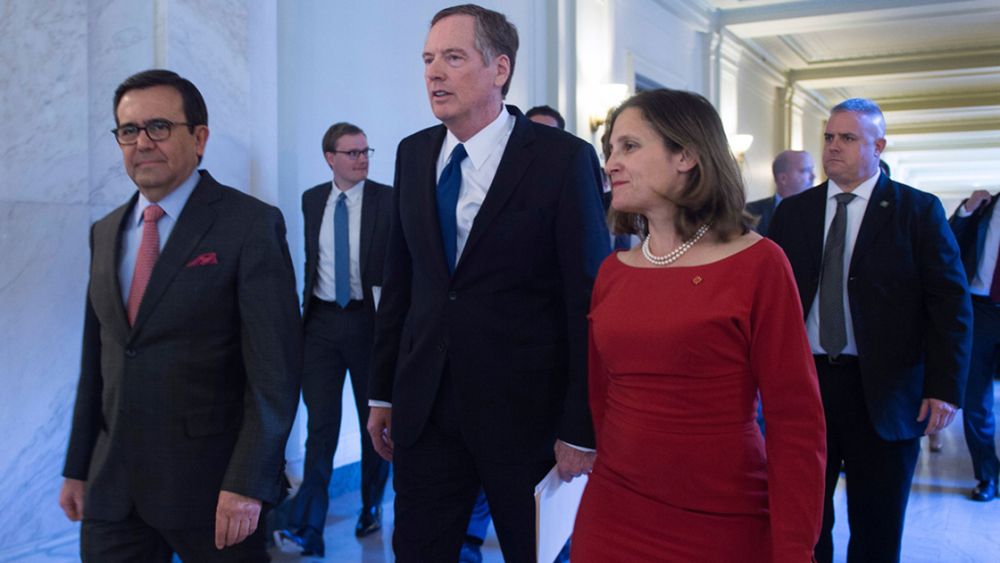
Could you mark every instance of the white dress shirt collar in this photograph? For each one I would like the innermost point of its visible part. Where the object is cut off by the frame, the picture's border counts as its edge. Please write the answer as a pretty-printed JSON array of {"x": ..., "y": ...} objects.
[
  {"x": 480, "y": 145},
  {"x": 172, "y": 204},
  {"x": 863, "y": 191},
  {"x": 352, "y": 194}
]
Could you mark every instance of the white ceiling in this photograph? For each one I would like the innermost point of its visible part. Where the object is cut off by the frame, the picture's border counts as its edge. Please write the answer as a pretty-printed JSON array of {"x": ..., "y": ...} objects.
[{"x": 932, "y": 65}]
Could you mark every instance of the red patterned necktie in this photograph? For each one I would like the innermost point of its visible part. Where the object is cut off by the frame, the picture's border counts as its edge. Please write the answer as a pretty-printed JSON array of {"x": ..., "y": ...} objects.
[{"x": 149, "y": 251}]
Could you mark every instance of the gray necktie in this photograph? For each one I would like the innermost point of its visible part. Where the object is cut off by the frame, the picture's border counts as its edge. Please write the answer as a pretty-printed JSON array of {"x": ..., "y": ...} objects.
[{"x": 832, "y": 324}]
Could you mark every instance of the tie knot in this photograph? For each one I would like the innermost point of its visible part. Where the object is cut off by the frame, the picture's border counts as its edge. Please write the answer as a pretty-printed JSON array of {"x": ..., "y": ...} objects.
[
  {"x": 152, "y": 214},
  {"x": 341, "y": 198},
  {"x": 844, "y": 199},
  {"x": 458, "y": 154}
]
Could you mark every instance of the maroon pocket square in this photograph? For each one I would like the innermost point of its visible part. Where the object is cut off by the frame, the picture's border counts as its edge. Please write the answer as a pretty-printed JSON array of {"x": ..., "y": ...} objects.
[{"x": 203, "y": 260}]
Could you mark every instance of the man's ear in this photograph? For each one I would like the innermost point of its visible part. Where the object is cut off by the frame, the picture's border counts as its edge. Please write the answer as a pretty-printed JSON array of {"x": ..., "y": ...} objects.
[
  {"x": 503, "y": 70},
  {"x": 879, "y": 147},
  {"x": 329, "y": 158}
]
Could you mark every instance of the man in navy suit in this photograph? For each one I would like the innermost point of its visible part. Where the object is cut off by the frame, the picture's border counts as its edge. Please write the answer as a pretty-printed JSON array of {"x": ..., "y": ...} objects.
[
  {"x": 346, "y": 230},
  {"x": 479, "y": 369},
  {"x": 793, "y": 174},
  {"x": 889, "y": 320},
  {"x": 976, "y": 224}
]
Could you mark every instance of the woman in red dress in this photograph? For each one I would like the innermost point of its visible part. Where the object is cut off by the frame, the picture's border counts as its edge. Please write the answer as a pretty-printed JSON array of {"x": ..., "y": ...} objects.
[{"x": 685, "y": 329}]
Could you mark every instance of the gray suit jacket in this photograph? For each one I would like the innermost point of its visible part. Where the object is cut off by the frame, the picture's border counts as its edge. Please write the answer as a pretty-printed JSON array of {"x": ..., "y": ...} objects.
[{"x": 199, "y": 395}]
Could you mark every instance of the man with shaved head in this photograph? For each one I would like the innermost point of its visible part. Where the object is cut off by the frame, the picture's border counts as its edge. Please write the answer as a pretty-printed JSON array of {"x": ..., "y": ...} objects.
[
  {"x": 889, "y": 319},
  {"x": 793, "y": 174}
]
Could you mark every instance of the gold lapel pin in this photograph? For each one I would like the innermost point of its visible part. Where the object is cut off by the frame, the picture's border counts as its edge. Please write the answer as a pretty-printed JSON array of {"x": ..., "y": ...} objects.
[{"x": 697, "y": 280}]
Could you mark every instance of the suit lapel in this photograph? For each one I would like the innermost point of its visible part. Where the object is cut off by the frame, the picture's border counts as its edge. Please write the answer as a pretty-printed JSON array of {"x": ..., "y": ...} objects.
[
  {"x": 880, "y": 208},
  {"x": 315, "y": 222},
  {"x": 517, "y": 156},
  {"x": 369, "y": 209},
  {"x": 107, "y": 271},
  {"x": 195, "y": 220},
  {"x": 427, "y": 199},
  {"x": 814, "y": 220}
]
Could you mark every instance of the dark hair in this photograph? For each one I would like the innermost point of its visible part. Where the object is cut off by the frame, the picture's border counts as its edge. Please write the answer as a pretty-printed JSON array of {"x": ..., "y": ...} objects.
[
  {"x": 335, "y": 132},
  {"x": 195, "y": 112},
  {"x": 714, "y": 192},
  {"x": 549, "y": 112},
  {"x": 494, "y": 35}
]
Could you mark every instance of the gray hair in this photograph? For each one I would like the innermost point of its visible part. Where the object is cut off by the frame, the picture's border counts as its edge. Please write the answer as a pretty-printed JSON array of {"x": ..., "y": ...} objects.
[
  {"x": 865, "y": 107},
  {"x": 494, "y": 35}
]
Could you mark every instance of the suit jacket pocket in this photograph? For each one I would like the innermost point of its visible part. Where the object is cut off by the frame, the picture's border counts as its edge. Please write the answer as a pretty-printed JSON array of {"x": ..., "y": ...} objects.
[
  {"x": 213, "y": 420},
  {"x": 540, "y": 358}
]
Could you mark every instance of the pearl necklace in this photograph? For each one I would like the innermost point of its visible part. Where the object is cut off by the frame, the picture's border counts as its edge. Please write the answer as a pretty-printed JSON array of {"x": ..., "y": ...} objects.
[{"x": 677, "y": 252}]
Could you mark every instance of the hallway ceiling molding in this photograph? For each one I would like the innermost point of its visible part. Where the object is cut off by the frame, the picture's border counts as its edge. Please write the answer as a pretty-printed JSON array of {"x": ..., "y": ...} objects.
[{"x": 933, "y": 66}]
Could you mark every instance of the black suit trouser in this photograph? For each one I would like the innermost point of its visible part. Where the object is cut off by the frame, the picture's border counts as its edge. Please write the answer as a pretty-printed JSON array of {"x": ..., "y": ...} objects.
[
  {"x": 878, "y": 472},
  {"x": 437, "y": 480},
  {"x": 977, "y": 416},
  {"x": 336, "y": 340},
  {"x": 134, "y": 541}
]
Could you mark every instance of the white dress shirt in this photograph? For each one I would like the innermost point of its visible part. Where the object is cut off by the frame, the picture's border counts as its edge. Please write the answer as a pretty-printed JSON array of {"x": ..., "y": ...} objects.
[
  {"x": 855, "y": 213},
  {"x": 980, "y": 285},
  {"x": 326, "y": 281},
  {"x": 172, "y": 205},
  {"x": 485, "y": 150}
]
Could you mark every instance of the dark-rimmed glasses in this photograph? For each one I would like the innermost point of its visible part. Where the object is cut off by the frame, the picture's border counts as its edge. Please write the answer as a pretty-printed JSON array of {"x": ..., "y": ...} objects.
[
  {"x": 353, "y": 155},
  {"x": 156, "y": 130}
]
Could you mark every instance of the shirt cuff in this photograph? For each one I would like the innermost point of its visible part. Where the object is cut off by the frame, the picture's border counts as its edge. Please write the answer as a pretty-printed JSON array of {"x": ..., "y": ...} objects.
[
  {"x": 383, "y": 404},
  {"x": 962, "y": 212},
  {"x": 580, "y": 448}
]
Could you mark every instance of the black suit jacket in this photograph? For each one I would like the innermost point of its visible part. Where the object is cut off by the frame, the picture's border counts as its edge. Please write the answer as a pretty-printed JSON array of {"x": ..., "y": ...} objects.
[
  {"x": 970, "y": 232},
  {"x": 375, "y": 210},
  {"x": 511, "y": 323},
  {"x": 200, "y": 394},
  {"x": 909, "y": 299},
  {"x": 765, "y": 209}
]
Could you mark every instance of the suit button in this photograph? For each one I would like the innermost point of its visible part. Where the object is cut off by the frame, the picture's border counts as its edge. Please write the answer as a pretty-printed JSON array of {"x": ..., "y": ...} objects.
[
  {"x": 130, "y": 352},
  {"x": 441, "y": 347},
  {"x": 452, "y": 296}
]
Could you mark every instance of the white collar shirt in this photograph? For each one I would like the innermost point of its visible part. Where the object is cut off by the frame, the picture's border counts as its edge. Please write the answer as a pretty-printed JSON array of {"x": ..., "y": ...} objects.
[
  {"x": 987, "y": 259},
  {"x": 485, "y": 150},
  {"x": 326, "y": 268},
  {"x": 855, "y": 214}
]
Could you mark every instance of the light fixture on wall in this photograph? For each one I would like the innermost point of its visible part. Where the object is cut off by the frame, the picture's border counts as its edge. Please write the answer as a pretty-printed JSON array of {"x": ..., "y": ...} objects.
[
  {"x": 740, "y": 145},
  {"x": 607, "y": 97}
]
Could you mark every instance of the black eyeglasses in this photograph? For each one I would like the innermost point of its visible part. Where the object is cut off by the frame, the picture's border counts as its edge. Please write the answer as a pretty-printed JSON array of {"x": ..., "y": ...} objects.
[
  {"x": 156, "y": 130},
  {"x": 353, "y": 155}
]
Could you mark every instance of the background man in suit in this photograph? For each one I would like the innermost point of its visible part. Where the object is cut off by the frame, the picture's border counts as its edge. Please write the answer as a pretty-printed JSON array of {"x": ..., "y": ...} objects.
[
  {"x": 793, "y": 174},
  {"x": 889, "y": 320},
  {"x": 976, "y": 224},
  {"x": 479, "y": 363},
  {"x": 191, "y": 351},
  {"x": 346, "y": 233},
  {"x": 546, "y": 116}
]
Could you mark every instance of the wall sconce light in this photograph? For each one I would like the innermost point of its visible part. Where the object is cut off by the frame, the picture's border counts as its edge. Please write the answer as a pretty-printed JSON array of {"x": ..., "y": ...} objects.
[
  {"x": 608, "y": 96},
  {"x": 740, "y": 145}
]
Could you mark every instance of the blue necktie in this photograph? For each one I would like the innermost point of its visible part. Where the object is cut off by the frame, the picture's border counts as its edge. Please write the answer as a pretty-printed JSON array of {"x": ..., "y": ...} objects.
[
  {"x": 341, "y": 251},
  {"x": 447, "y": 200}
]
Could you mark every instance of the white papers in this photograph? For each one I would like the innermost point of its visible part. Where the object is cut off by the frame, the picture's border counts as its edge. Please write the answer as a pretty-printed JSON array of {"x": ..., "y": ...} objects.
[
  {"x": 376, "y": 293},
  {"x": 556, "y": 503}
]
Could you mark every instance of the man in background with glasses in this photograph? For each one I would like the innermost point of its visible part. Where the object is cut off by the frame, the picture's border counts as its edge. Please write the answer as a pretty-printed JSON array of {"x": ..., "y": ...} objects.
[
  {"x": 191, "y": 351},
  {"x": 346, "y": 229}
]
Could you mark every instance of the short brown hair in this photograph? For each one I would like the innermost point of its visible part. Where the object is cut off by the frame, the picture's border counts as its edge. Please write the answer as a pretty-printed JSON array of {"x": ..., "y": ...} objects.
[
  {"x": 494, "y": 35},
  {"x": 335, "y": 132},
  {"x": 714, "y": 192}
]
